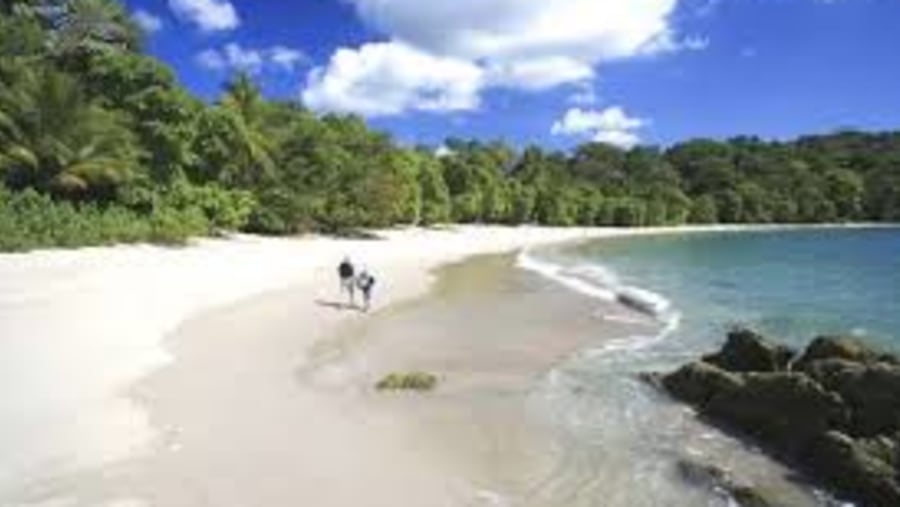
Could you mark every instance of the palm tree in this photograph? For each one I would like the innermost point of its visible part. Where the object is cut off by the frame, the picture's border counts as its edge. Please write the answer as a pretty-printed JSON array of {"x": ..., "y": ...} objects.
[
  {"x": 244, "y": 103},
  {"x": 95, "y": 25},
  {"x": 53, "y": 139},
  {"x": 79, "y": 27},
  {"x": 243, "y": 96}
]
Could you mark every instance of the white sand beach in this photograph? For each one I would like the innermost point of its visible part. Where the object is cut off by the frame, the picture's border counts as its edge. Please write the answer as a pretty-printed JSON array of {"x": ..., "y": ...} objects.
[{"x": 79, "y": 330}]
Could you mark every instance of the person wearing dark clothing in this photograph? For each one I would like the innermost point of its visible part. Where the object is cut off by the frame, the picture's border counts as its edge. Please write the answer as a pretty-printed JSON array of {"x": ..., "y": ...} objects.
[{"x": 346, "y": 274}]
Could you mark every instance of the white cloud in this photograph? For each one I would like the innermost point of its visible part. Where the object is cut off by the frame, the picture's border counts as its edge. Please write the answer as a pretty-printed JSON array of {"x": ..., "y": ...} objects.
[
  {"x": 666, "y": 42},
  {"x": 286, "y": 58},
  {"x": 621, "y": 138},
  {"x": 207, "y": 15},
  {"x": 442, "y": 151},
  {"x": 149, "y": 22},
  {"x": 530, "y": 45},
  {"x": 538, "y": 73},
  {"x": 386, "y": 78},
  {"x": 611, "y": 125},
  {"x": 589, "y": 30},
  {"x": 233, "y": 56}
]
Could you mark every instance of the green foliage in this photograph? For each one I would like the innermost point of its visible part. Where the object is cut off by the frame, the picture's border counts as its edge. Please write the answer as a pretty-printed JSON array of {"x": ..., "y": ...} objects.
[
  {"x": 54, "y": 139},
  {"x": 99, "y": 143},
  {"x": 413, "y": 381},
  {"x": 30, "y": 220},
  {"x": 704, "y": 210},
  {"x": 434, "y": 194}
]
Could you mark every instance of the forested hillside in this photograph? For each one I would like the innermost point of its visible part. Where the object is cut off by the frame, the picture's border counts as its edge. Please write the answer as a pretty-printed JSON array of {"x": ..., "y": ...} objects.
[{"x": 99, "y": 143}]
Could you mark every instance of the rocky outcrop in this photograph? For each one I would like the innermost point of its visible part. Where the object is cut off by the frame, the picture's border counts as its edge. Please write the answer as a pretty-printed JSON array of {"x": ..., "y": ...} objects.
[
  {"x": 746, "y": 350},
  {"x": 835, "y": 411},
  {"x": 870, "y": 390},
  {"x": 850, "y": 467},
  {"x": 786, "y": 409},
  {"x": 840, "y": 347}
]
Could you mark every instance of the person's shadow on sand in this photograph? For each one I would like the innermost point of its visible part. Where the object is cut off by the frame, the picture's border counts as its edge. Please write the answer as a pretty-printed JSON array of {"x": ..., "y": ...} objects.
[{"x": 337, "y": 305}]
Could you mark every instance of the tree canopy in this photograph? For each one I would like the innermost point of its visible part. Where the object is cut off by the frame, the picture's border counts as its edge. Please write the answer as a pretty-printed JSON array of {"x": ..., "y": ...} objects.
[{"x": 100, "y": 143}]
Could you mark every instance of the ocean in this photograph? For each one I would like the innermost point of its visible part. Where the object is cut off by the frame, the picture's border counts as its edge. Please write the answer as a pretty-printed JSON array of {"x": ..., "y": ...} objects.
[{"x": 623, "y": 439}]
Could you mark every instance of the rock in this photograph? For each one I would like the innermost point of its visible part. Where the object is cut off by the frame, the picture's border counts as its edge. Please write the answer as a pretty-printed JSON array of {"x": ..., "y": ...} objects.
[
  {"x": 835, "y": 412},
  {"x": 746, "y": 496},
  {"x": 839, "y": 347},
  {"x": 653, "y": 379},
  {"x": 873, "y": 395},
  {"x": 852, "y": 470},
  {"x": 701, "y": 474},
  {"x": 747, "y": 351},
  {"x": 828, "y": 372},
  {"x": 870, "y": 390},
  {"x": 885, "y": 448},
  {"x": 697, "y": 382},
  {"x": 716, "y": 478},
  {"x": 784, "y": 409},
  {"x": 409, "y": 381}
]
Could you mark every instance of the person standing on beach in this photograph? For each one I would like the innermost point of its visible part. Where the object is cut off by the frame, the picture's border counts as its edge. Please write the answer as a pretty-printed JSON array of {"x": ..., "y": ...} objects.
[
  {"x": 366, "y": 282},
  {"x": 346, "y": 275}
]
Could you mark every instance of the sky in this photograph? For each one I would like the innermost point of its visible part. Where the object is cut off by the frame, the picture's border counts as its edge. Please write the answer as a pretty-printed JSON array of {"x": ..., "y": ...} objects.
[{"x": 550, "y": 72}]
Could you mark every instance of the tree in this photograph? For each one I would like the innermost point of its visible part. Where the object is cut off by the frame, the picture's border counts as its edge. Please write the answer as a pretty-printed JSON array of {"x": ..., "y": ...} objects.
[
  {"x": 54, "y": 139},
  {"x": 84, "y": 27},
  {"x": 846, "y": 190},
  {"x": 433, "y": 190},
  {"x": 230, "y": 144},
  {"x": 162, "y": 115},
  {"x": 703, "y": 210}
]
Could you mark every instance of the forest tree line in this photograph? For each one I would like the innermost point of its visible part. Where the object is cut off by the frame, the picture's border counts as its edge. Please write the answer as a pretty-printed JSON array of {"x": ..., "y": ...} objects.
[{"x": 99, "y": 143}]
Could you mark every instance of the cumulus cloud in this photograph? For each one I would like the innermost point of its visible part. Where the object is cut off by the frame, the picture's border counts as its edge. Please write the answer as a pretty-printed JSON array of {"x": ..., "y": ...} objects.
[
  {"x": 611, "y": 125},
  {"x": 149, "y": 22},
  {"x": 233, "y": 56},
  {"x": 286, "y": 58},
  {"x": 207, "y": 15},
  {"x": 668, "y": 43},
  {"x": 386, "y": 78},
  {"x": 513, "y": 29},
  {"x": 530, "y": 45}
]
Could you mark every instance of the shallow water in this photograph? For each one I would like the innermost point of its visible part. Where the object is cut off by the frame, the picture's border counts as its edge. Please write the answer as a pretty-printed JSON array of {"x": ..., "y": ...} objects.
[
  {"x": 538, "y": 404},
  {"x": 793, "y": 285}
]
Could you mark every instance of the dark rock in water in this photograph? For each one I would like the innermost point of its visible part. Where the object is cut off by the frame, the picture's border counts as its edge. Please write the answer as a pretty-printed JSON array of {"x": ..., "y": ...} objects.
[
  {"x": 871, "y": 391},
  {"x": 652, "y": 378},
  {"x": 850, "y": 466},
  {"x": 835, "y": 412},
  {"x": 750, "y": 497},
  {"x": 839, "y": 347},
  {"x": 747, "y": 351},
  {"x": 828, "y": 371},
  {"x": 701, "y": 474},
  {"x": 885, "y": 448},
  {"x": 873, "y": 394},
  {"x": 787, "y": 409},
  {"x": 716, "y": 478},
  {"x": 696, "y": 383}
]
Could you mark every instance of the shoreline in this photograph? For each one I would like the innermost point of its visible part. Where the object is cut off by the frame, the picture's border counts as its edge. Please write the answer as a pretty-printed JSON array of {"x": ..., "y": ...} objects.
[{"x": 99, "y": 278}]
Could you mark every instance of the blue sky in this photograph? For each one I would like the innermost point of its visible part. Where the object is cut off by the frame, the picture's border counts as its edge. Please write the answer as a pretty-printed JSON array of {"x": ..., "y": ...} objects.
[{"x": 554, "y": 72}]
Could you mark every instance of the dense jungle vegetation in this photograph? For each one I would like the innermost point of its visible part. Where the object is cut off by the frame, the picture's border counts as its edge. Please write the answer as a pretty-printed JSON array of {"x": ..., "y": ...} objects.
[{"x": 99, "y": 143}]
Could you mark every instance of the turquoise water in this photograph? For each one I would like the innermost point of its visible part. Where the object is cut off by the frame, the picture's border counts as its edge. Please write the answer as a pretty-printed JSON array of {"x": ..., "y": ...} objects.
[
  {"x": 623, "y": 438},
  {"x": 790, "y": 284}
]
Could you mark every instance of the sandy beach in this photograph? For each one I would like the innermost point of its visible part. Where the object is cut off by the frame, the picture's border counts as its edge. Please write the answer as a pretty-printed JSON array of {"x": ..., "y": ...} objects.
[{"x": 200, "y": 376}]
